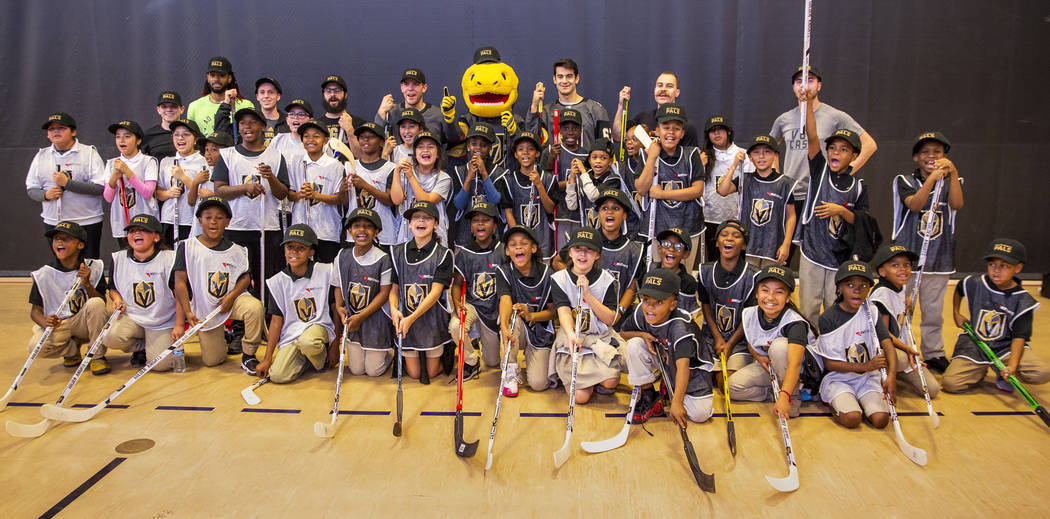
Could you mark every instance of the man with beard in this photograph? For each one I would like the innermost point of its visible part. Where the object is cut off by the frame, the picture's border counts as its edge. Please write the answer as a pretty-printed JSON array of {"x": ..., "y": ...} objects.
[
  {"x": 157, "y": 140},
  {"x": 220, "y": 88},
  {"x": 664, "y": 91},
  {"x": 339, "y": 123},
  {"x": 413, "y": 86},
  {"x": 268, "y": 93}
]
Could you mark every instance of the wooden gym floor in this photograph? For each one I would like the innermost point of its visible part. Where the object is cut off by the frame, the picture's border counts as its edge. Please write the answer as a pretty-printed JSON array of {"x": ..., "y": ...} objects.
[{"x": 216, "y": 457}]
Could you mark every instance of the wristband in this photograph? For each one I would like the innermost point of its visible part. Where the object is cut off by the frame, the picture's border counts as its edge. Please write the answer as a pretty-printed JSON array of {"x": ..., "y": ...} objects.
[
  {"x": 621, "y": 310},
  {"x": 788, "y": 395}
]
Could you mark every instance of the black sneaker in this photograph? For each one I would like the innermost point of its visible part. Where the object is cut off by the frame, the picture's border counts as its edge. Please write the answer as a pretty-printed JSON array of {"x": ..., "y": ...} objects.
[
  {"x": 236, "y": 334},
  {"x": 138, "y": 359},
  {"x": 937, "y": 364},
  {"x": 249, "y": 363},
  {"x": 469, "y": 373},
  {"x": 649, "y": 405},
  {"x": 234, "y": 348}
]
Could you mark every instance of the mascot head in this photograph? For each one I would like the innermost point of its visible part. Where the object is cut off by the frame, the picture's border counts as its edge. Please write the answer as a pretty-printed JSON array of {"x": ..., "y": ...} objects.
[{"x": 489, "y": 85}]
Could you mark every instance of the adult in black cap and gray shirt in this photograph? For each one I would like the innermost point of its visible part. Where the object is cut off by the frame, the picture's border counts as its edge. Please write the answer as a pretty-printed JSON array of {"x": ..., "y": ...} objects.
[
  {"x": 664, "y": 91},
  {"x": 566, "y": 77},
  {"x": 156, "y": 141},
  {"x": 67, "y": 179},
  {"x": 268, "y": 93},
  {"x": 220, "y": 87},
  {"x": 413, "y": 86},
  {"x": 336, "y": 119}
]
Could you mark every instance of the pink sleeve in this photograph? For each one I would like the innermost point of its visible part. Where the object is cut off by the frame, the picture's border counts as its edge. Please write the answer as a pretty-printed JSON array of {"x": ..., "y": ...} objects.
[
  {"x": 144, "y": 188},
  {"x": 108, "y": 193}
]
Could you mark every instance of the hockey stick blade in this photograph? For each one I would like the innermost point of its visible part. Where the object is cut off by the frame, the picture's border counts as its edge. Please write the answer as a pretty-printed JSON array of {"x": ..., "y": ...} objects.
[
  {"x": 705, "y": 480},
  {"x": 248, "y": 393},
  {"x": 1043, "y": 414},
  {"x": 397, "y": 428},
  {"x": 731, "y": 432},
  {"x": 324, "y": 430},
  {"x": 19, "y": 430},
  {"x": 400, "y": 406},
  {"x": 788, "y": 483},
  {"x": 463, "y": 449},
  {"x": 562, "y": 455},
  {"x": 65, "y": 414},
  {"x": 621, "y": 438},
  {"x": 915, "y": 454}
]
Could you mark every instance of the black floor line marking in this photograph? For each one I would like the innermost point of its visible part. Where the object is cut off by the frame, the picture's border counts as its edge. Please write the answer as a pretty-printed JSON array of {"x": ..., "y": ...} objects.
[
  {"x": 448, "y": 413},
  {"x": 1001, "y": 413},
  {"x": 54, "y": 510},
  {"x": 25, "y": 404},
  {"x": 543, "y": 415},
  {"x": 183, "y": 408},
  {"x": 737, "y": 415},
  {"x": 814, "y": 414},
  {"x": 110, "y": 406},
  {"x": 917, "y": 413},
  {"x": 365, "y": 413},
  {"x": 265, "y": 410}
]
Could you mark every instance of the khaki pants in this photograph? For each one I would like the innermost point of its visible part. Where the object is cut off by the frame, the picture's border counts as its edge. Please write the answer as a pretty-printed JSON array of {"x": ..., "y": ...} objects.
[
  {"x": 65, "y": 339},
  {"x": 931, "y": 304},
  {"x": 911, "y": 378},
  {"x": 213, "y": 342},
  {"x": 816, "y": 285},
  {"x": 125, "y": 335},
  {"x": 872, "y": 403},
  {"x": 751, "y": 383},
  {"x": 490, "y": 344},
  {"x": 537, "y": 360},
  {"x": 643, "y": 368},
  {"x": 760, "y": 263},
  {"x": 291, "y": 360},
  {"x": 964, "y": 374},
  {"x": 367, "y": 362}
]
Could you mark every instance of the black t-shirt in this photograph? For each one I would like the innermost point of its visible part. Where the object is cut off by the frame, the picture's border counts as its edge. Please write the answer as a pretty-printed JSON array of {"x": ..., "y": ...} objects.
[
  {"x": 156, "y": 142},
  {"x": 221, "y": 172},
  {"x": 1022, "y": 326},
  {"x": 332, "y": 124},
  {"x": 414, "y": 254},
  {"x": 904, "y": 190},
  {"x": 796, "y": 332},
  {"x": 532, "y": 279},
  {"x": 835, "y": 317},
  {"x": 560, "y": 299}
]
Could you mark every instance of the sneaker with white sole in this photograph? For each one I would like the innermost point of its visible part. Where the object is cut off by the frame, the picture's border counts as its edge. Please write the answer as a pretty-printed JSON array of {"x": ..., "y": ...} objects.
[
  {"x": 249, "y": 363},
  {"x": 510, "y": 381}
]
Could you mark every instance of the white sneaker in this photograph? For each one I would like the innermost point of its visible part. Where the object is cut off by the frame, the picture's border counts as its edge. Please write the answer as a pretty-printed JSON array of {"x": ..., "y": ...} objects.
[{"x": 510, "y": 381}]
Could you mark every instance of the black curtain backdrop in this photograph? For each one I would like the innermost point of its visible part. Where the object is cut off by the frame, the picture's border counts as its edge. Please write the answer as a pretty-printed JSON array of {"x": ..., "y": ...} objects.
[{"x": 976, "y": 70}]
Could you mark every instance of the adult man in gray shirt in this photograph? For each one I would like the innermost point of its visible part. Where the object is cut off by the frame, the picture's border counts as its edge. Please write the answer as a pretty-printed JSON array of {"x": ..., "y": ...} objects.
[
  {"x": 413, "y": 86},
  {"x": 566, "y": 78}
]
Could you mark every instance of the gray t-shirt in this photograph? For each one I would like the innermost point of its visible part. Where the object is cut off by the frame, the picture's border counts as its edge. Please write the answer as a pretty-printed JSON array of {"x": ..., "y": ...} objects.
[
  {"x": 595, "y": 120},
  {"x": 795, "y": 161}
]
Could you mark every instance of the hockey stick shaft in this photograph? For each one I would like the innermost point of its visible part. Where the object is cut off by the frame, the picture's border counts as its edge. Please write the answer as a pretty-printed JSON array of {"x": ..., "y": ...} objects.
[
  {"x": 730, "y": 426},
  {"x": 1000, "y": 366},
  {"x": 562, "y": 454},
  {"x": 87, "y": 358},
  {"x": 807, "y": 26},
  {"x": 705, "y": 481},
  {"x": 124, "y": 201},
  {"x": 499, "y": 391}
]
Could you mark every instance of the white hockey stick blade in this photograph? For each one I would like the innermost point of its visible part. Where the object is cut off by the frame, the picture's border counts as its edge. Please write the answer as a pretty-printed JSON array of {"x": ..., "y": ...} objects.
[
  {"x": 607, "y": 445},
  {"x": 65, "y": 414},
  {"x": 248, "y": 393},
  {"x": 915, "y": 454},
  {"x": 488, "y": 460},
  {"x": 562, "y": 455},
  {"x": 643, "y": 137},
  {"x": 935, "y": 418},
  {"x": 324, "y": 430},
  {"x": 788, "y": 483},
  {"x": 21, "y": 430}
]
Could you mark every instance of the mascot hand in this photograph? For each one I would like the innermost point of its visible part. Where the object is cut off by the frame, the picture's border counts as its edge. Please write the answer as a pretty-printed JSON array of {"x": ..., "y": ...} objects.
[
  {"x": 506, "y": 119},
  {"x": 448, "y": 106}
]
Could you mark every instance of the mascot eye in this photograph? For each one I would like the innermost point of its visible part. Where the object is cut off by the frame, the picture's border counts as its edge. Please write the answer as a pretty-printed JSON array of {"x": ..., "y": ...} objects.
[
  {"x": 504, "y": 74},
  {"x": 472, "y": 76}
]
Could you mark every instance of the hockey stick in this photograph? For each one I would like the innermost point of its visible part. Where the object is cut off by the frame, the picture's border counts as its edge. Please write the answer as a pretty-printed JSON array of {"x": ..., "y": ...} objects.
[
  {"x": 621, "y": 438},
  {"x": 66, "y": 414},
  {"x": 178, "y": 201},
  {"x": 499, "y": 393},
  {"x": 562, "y": 455},
  {"x": 327, "y": 430},
  {"x": 704, "y": 480},
  {"x": 400, "y": 390},
  {"x": 730, "y": 426},
  {"x": 262, "y": 242},
  {"x": 39, "y": 345},
  {"x": 58, "y": 169},
  {"x": 639, "y": 133},
  {"x": 936, "y": 420},
  {"x": 463, "y": 448},
  {"x": 623, "y": 127},
  {"x": 790, "y": 482},
  {"x": 807, "y": 23},
  {"x": 915, "y": 454},
  {"x": 248, "y": 393},
  {"x": 124, "y": 201},
  {"x": 32, "y": 431},
  {"x": 1036, "y": 406},
  {"x": 308, "y": 200}
]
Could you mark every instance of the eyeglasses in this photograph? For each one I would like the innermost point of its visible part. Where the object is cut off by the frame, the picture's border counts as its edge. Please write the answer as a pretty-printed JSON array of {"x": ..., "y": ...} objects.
[
  {"x": 296, "y": 115},
  {"x": 181, "y": 135},
  {"x": 333, "y": 90},
  {"x": 675, "y": 246}
]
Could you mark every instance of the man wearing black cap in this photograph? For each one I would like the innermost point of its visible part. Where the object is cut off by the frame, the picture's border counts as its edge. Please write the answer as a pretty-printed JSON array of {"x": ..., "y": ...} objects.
[
  {"x": 339, "y": 122},
  {"x": 268, "y": 93},
  {"x": 566, "y": 78},
  {"x": 664, "y": 91},
  {"x": 413, "y": 86},
  {"x": 220, "y": 88},
  {"x": 67, "y": 179},
  {"x": 157, "y": 140}
]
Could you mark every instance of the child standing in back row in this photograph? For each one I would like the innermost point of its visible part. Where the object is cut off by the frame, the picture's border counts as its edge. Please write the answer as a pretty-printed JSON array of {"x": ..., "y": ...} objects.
[
  {"x": 178, "y": 176},
  {"x": 724, "y": 159},
  {"x": 132, "y": 179}
]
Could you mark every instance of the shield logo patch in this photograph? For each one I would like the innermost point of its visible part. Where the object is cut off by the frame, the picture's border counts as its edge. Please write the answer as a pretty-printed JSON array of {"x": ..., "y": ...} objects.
[
  {"x": 319, "y": 189},
  {"x": 585, "y": 321},
  {"x": 484, "y": 285},
  {"x": 592, "y": 217},
  {"x": 365, "y": 199},
  {"x": 305, "y": 309},
  {"x": 530, "y": 215},
  {"x": 991, "y": 325},
  {"x": 77, "y": 301},
  {"x": 129, "y": 198},
  {"x": 761, "y": 211},
  {"x": 672, "y": 184},
  {"x": 144, "y": 294},
  {"x": 218, "y": 284},
  {"x": 253, "y": 178},
  {"x": 415, "y": 293},
  {"x": 857, "y": 353},
  {"x": 358, "y": 296},
  {"x": 935, "y": 230},
  {"x": 835, "y": 226},
  {"x": 726, "y": 316}
]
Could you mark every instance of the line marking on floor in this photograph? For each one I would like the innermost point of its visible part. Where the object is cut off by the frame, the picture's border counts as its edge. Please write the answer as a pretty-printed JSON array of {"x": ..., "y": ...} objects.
[
  {"x": 448, "y": 413},
  {"x": 110, "y": 406},
  {"x": 543, "y": 415},
  {"x": 1002, "y": 413},
  {"x": 77, "y": 492},
  {"x": 270, "y": 410},
  {"x": 25, "y": 404},
  {"x": 183, "y": 408},
  {"x": 365, "y": 413}
]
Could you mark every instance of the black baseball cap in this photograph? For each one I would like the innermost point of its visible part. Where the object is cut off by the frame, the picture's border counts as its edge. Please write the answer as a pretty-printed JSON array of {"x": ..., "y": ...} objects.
[
  {"x": 778, "y": 272},
  {"x": 523, "y": 230},
  {"x": 486, "y": 55},
  {"x": 735, "y": 224},
  {"x": 570, "y": 115},
  {"x": 267, "y": 79},
  {"x": 854, "y": 268},
  {"x": 213, "y": 201},
  {"x": 482, "y": 130},
  {"x": 426, "y": 206},
  {"x": 414, "y": 73},
  {"x": 71, "y": 228},
  {"x": 889, "y": 251},
  {"x": 601, "y": 144},
  {"x": 130, "y": 126},
  {"x": 363, "y": 213},
  {"x": 671, "y": 112},
  {"x": 717, "y": 120},
  {"x": 169, "y": 96},
  {"x": 221, "y": 139},
  {"x": 61, "y": 118},
  {"x": 660, "y": 284},
  {"x": 485, "y": 208},
  {"x": 220, "y": 64},
  {"x": 812, "y": 70},
  {"x": 334, "y": 78},
  {"x": 300, "y": 233},
  {"x": 763, "y": 140},
  {"x": 425, "y": 134},
  {"x": 189, "y": 125},
  {"x": 677, "y": 232},
  {"x": 585, "y": 237},
  {"x": 1010, "y": 251},
  {"x": 368, "y": 126},
  {"x": 613, "y": 194},
  {"x": 301, "y": 103},
  {"x": 932, "y": 135},
  {"x": 526, "y": 135},
  {"x": 312, "y": 124},
  {"x": 249, "y": 111},
  {"x": 849, "y": 136},
  {"x": 145, "y": 221},
  {"x": 411, "y": 114}
]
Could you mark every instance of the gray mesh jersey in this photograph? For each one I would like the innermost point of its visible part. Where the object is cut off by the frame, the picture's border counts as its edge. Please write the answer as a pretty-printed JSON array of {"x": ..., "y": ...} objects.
[
  {"x": 624, "y": 263},
  {"x": 678, "y": 338},
  {"x": 528, "y": 211},
  {"x": 302, "y": 301},
  {"x": 478, "y": 270},
  {"x": 677, "y": 172},
  {"x": 53, "y": 284},
  {"x": 820, "y": 236},
  {"x": 595, "y": 120},
  {"x": 460, "y": 226},
  {"x": 143, "y": 285},
  {"x": 360, "y": 283},
  {"x": 727, "y": 302},
  {"x": 763, "y": 211},
  {"x": 430, "y": 331},
  {"x": 541, "y": 334},
  {"x": 909, "y": 228},
  {"x": 992, "y": 315}
]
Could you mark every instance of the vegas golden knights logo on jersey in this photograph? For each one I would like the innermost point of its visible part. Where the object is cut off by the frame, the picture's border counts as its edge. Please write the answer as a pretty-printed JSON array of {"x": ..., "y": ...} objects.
[
  {"x": 902, "y": 322},
  {"x": 585, "y": 320},
  {"x": 129, "y": 197},
  {"x": 358, "y": 296},
  {"x": 726, "y": 316},
  {"x": 991, "y": 325},
  {"x": 477, "y": 199},
  {"x": 415, "y": 293},
  {"x": 835, "y": 226},
  {"x": 365, "y": 199},
  {"x": 253, "y": 178},
  {"x": 935, "y": 230},
  {"x": 616, "y": 275},
  {"x": 592, "y": 217},
  {"x": 530, "y": 215},
  {"x": 857, "y": 353},
  {"x": 305, "y": 309},
  {"x": 319, "y": 189},
  {"x": 77, "y": 301},
  {"x": 218, "y": 284},
  {"x": 497, "y": 148},
  {"x": 761, "y": 211},
  {"x": 484, "y": 285},
  {"x": 174, "y": 181},
  {"x": 144, "y": 294},
  {"x": 671, "y": 185}
]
